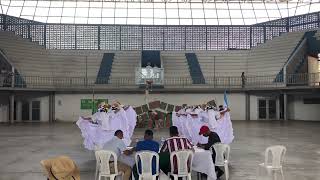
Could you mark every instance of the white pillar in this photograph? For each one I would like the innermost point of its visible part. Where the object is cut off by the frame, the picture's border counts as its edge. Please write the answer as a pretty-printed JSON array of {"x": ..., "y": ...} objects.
[
  {"x": 18, "y": 111},
  {"x": 285, "y": 106},
  {"x": 4, "y": 112},
  {"x": 12, "y": 108}
]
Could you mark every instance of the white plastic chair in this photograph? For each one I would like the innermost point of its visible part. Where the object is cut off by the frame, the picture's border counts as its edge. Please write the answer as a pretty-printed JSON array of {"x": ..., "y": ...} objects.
[
  {"x": 184, "y": 160},
  {"x": 274, "y": 157},
  {"x": 145, "y": 159},
  {"x": 97, "y": 147},
  {"x": 222, "y": 152},
  {"x": 103, "y": 166}
]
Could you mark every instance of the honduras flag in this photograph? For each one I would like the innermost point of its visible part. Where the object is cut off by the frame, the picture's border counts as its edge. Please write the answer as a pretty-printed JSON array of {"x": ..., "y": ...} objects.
[{"x": 225, "y": 98}]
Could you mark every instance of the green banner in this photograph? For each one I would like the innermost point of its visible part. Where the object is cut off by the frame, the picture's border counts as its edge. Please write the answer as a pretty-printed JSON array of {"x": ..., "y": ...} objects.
[{"x": 88, "y": 104}]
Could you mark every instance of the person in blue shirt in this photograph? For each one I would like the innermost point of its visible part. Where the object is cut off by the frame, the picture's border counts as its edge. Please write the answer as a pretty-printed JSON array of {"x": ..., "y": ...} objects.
[{"x": 147, "y": 144}]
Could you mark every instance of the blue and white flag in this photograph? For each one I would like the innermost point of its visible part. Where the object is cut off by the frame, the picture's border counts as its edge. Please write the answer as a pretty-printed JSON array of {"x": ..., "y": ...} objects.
[
  {"x": 225, "y": 98},
  {"x": 224, "y": 125}
]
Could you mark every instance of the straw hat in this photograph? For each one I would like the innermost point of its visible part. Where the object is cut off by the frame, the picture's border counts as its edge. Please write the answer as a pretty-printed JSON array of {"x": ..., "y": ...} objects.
[
  {"x": 102, "y": 103},
  {"x": 61, "y": 168}
]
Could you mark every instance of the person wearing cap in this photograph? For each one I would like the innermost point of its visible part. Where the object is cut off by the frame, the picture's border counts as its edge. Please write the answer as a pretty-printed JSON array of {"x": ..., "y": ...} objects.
[
  {"x": 213, "y": 138},
  {"x": 61, "y": 167}
]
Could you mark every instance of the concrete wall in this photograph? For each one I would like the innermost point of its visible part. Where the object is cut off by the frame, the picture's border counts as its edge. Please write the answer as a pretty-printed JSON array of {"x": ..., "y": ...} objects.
[
  {"x": 300, "y": 111},
  {"x": 67, "y": 106},
  {"x": 314, "y": 67},
  {"x": 253, "y": 107}
]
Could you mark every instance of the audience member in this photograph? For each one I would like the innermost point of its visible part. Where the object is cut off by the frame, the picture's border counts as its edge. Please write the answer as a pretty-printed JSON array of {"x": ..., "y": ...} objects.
[
  {"x": 213, "y": 138},
  {"x": 117, "y": 146},
  {"x": 147, "y": 144},
  {"x": 172, "y": 144}
]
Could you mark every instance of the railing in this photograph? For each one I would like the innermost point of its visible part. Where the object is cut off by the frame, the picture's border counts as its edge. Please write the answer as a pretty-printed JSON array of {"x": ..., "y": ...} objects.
[
  {"x": 38, "y": 82},
  {"x": 305, "y": 79}
]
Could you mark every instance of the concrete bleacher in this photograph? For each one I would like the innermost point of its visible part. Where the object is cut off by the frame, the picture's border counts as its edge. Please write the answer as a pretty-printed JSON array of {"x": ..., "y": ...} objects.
[
  {"x": 222, "y": 63},
  {"x": 124, "y": 66},
  {"x": 270, "y": 57},
  {"x": 176, "y": 70},
  {"x": 33, "y": 60},
  {"x": 76, "y": 63}
]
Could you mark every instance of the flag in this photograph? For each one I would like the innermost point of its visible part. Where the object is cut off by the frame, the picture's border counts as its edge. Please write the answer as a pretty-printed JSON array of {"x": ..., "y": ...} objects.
[{"x": 225, "y": 98}]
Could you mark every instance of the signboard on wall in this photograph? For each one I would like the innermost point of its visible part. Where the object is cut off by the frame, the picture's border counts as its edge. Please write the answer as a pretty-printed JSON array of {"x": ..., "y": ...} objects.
[
  {"x": 90, "y": 105},
  {"x": 86, "y": 104}
]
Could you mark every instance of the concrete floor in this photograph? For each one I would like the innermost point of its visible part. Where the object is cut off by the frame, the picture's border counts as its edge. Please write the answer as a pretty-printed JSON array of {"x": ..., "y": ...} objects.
[{"x": 22, "y": 146}]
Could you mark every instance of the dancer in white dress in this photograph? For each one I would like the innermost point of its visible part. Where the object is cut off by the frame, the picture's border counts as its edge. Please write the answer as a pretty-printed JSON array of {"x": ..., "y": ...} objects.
[
  {"x": 189, "y": 120},
  {"x": 100, "y": 128},
  {"x": 224, "y": 126},
  {"x": 132, "y": 118}
]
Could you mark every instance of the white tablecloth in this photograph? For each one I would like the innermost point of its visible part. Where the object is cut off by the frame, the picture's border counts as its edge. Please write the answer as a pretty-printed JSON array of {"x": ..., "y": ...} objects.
[{"x": 202, "y": 162}]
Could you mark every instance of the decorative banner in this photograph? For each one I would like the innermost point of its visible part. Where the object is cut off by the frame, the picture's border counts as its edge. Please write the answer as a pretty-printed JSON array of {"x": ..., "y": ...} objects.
[
  {"x": 163, "y": 106},
  {"x": 145, "y": 108},
  {"x": 138, "y": 110},
  {"x": 86, "y": 104},
  {"x": 170, "y": 108},
  {"x": 154, "y": 104},
  {"x": 164, "y": 110}
]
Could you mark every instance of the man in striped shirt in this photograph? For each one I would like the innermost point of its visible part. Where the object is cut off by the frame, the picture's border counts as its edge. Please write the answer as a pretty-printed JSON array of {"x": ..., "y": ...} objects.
[{"x": 174, "y": 143}]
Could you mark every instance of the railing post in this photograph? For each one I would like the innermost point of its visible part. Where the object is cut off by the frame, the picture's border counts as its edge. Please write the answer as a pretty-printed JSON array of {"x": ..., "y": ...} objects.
[
  {"x": 11, "y": 101},
  {"x": 284, "y": 76}
]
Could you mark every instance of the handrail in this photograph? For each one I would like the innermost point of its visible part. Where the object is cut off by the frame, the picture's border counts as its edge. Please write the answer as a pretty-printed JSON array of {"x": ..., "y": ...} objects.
[
  {"x": 293, "y": 54},
  {"x": 35, "y": 82},
  {"x": 6, "y": 57}
]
